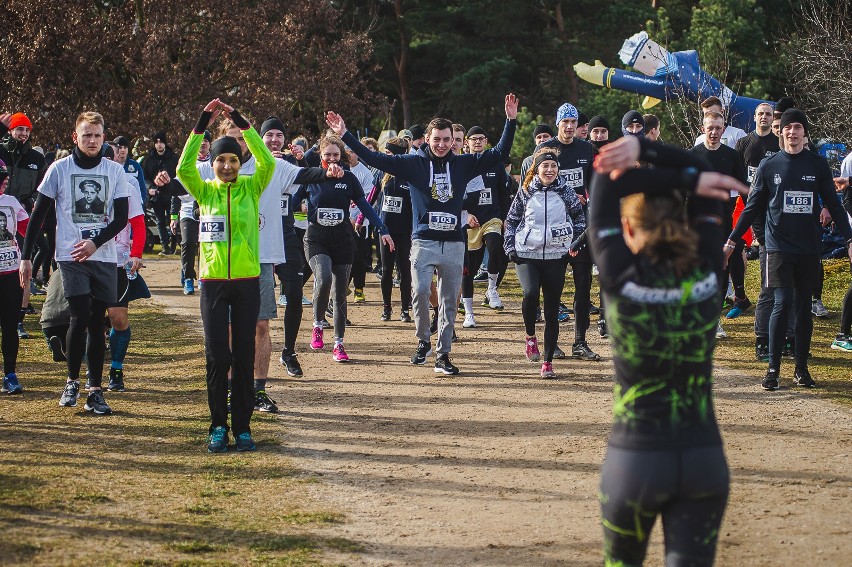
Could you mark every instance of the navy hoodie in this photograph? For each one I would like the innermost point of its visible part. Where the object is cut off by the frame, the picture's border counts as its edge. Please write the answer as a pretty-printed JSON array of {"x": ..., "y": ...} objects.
[{"x": 437, "y": 184}]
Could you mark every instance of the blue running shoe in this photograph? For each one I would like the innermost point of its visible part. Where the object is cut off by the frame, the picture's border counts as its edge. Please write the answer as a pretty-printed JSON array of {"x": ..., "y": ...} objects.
[
  {"x": 218, "y": 442},
  {"x": 11, "y": 384},
  {"x": 734, "y": 313},
  {"x": 244, "y": 442},
  {"x": 188, "y": 287},
  {"x": 306, "y": 301}
]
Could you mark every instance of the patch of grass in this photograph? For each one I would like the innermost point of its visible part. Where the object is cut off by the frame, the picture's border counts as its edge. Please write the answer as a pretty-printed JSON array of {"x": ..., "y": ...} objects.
[
  {"x": 345, "y": 545},
  {"x": 830, "y": 368},
  {"x": 153, "y": 449},
  {"x": 193, "y": 546},
  {"x": 93, "y": 497},
  {"x": 302, "y": 518},
  {"x": 285, "y": 543},
  {"x": 201, "y": 509}
]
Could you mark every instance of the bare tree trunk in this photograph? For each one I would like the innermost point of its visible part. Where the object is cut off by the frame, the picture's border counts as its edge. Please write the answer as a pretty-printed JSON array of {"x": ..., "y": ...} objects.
[
  {"x": 573, "y": 87},
  {"x": 401, "y": 64}
]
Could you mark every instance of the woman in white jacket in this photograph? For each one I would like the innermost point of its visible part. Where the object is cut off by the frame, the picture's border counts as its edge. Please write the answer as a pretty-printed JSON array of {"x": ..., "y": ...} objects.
[{"x": 545, "y": 218}]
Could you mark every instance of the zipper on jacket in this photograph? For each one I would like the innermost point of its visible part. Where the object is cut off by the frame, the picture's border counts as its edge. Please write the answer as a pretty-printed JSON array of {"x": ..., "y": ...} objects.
[
  {"x": 230, "y": 235},
  {"x": 545, "y": 231}
]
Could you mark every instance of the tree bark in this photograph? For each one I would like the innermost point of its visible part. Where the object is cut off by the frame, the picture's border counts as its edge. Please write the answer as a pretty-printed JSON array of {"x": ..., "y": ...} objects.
[{"x": 401, "y": 63}]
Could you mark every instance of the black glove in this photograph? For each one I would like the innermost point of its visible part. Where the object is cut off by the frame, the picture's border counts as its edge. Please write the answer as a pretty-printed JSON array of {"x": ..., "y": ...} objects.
[{"x": 513, "y": 257}]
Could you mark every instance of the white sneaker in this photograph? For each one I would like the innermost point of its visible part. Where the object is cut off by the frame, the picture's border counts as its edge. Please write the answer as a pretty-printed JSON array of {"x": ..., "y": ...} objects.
[
  {"x": 494, "y": 301},
  {"x": 282, "y": 300},
  {"x": 720, "y": 332},
  {"x": 469, "y": 321}
]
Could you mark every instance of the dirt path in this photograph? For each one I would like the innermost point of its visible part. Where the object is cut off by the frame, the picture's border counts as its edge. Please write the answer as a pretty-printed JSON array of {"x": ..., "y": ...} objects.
[{"x": 498, "y": 467}]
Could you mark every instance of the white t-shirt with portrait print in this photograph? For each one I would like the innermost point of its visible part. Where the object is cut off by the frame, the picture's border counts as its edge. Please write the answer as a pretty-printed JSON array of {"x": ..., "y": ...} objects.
[
  {"x": 84, "y": 203},
  {"x": 11, "y": 213}
]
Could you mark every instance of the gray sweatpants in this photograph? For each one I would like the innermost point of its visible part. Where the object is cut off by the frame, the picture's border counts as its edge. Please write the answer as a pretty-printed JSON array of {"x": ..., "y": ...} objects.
[
  {"x": 447, "y": 258},
  {"x": 326, "y": 278}
]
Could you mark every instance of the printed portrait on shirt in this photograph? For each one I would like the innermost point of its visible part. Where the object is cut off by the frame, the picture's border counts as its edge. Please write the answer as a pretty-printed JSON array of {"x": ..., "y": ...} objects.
[
  {"x": 91, "y": 193},
  {"x": 8, "y": 223}
]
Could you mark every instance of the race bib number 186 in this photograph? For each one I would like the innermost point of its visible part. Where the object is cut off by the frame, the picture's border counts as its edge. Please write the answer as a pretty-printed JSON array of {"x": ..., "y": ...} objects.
[{"x": 801, "y": 202}]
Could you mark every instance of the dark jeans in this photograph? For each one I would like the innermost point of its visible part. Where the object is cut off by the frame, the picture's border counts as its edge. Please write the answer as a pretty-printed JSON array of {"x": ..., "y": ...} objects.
[
  {"x": 188, "y": 247},
  {"x": 161, "y": 210},
  {"x": 582, "y": 273},
  {"x": 401, "y": 258},
  {"x": 547, "y": 277},
  {"x": 239, "y": 299}
]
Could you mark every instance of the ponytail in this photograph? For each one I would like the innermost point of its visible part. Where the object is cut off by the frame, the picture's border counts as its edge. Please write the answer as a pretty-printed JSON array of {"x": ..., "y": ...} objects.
[{"x": 668, "y": 239}]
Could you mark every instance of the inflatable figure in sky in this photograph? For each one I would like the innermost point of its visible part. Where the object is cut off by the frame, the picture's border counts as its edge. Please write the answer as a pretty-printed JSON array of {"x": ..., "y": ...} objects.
[{"x": 666, "y": 76}]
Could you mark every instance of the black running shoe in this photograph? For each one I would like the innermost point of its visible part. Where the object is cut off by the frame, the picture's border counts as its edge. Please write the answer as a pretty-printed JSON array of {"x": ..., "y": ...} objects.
[
  {"x": 455, "y": 337},
  {"x": 386, "y": 313},
  {"x": 116, "y": 380},
  {"x": 582, "y": 351},
  {"x": 443, "y": 365},
  {"x": 325, "y": 324},
  {"x": 803, "y": 378},
  {"x": 405, "y": 316},
  {"x": 264, "y": 403},
  {"x": 770, "y": 381},
  {"x": 423, "y": 350},
  {"x": 289, "y": 360},
  {"x": 558, "y": 352},
  {"x": 433, "y": 326},
  {"x": 602, "y": 330},
  {"x": 594, "y": 309},
  {"x": 70, "y": 394},
  {"x": 56, "y": 349},
  {"x": 761, "y": 349},
  {"x": 96, "y": 403}
]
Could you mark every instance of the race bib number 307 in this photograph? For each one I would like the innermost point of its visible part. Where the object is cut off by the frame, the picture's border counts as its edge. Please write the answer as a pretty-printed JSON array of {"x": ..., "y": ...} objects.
[
  {"x": 798, "y": 202},
  {"x": 212, "y": 228},
  {"x": 442, "y": 221}
]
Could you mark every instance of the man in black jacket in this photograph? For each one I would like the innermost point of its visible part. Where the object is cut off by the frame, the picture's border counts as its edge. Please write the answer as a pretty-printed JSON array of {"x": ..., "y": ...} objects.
[{"x": 161, "y": 158}]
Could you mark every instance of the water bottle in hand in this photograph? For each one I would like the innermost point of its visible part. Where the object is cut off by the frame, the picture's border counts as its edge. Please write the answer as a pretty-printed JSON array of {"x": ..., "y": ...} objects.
[{"x": 128, "y": 266}]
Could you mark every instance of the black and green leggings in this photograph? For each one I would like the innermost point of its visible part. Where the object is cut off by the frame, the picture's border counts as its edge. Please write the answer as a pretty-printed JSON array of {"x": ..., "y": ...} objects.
[{"x": 687, "y": 487}]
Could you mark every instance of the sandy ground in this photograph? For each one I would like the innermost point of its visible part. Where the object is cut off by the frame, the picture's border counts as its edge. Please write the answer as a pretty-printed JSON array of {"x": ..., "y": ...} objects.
[{"x": 499, "y": 467}]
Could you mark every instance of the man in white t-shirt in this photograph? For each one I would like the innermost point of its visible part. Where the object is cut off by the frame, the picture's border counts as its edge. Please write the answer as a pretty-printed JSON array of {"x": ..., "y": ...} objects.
[
  {"x": 85, "y": 248},
  {"x": 731, "y": 134}
]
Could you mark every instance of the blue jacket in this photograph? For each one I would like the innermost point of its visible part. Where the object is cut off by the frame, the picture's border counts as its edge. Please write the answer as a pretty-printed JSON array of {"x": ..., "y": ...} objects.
[
  {"x": 436, "y": 201},
  {"x": 133, "y": 167}
]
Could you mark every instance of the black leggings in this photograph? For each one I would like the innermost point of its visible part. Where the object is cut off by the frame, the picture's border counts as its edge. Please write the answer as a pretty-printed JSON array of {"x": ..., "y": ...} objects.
[
  {"x": 687, "y": 487},
  {"x": 161, "y": 210},
  {"x": 239, "y": 299},
  {"x": 87, "y": 314},
  {"x": 736, "y": 269},
  {"x": 363, "y": 259},
  {"x": 493, "y": 242},
  {"x": 401, "y": 258},
  {"x": 787, "y": 298},
  {"x": 846, "y": 313},
  {"x": 547, "y": 276},
  {"x": 290, "y": 274},
  {"x": 582, "y": 273},
  {"x": 820, "y": 282},
  {"x": 11, "y": 296}
]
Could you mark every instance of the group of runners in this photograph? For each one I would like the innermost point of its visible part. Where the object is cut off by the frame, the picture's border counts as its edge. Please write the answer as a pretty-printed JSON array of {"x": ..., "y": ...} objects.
[{"x": 652, "y": 218}]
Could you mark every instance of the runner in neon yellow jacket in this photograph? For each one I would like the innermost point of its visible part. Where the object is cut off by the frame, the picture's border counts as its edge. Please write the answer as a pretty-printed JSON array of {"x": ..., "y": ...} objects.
[{"x": 228, "y": 232}]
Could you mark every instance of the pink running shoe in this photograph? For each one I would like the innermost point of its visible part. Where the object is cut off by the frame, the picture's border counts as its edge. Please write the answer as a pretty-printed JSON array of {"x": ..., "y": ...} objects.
[
  {"x": 547, "y": 370},
  {"x": 339, "y": 354},
  {"x": 316, "y": 339},
  {"x": 532, "y": 349}
]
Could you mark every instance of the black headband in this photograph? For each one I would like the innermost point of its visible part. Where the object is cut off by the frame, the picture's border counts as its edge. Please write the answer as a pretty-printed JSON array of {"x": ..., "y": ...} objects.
[
  {"x": 225, "y": 145},
  {"x": 544, "y": 157}
]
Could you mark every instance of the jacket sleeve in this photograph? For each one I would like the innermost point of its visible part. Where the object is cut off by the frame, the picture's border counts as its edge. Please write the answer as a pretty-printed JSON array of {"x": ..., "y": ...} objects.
[
  {"x": 265, "y": 168},
  {"x": 499, "y": 153},
  {"x": 187, "y": 173},
  {"x": 830, "y": 201},
  {"x": 758, "y": 199},
  {"x": 513, "y": 220},
  {"x": 137, "y": 228},
  {"x": 308, "y": 175},
  {"x": 395, "y": 165},
  {"x": 368, "y": 211}
]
